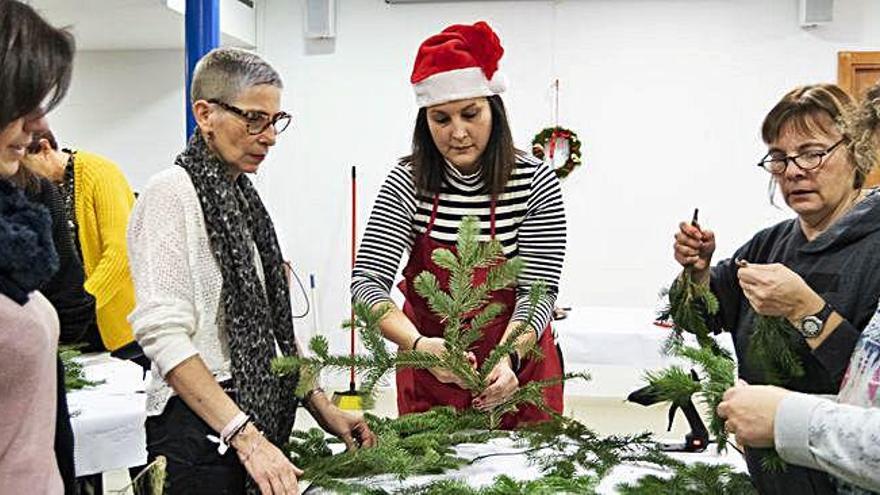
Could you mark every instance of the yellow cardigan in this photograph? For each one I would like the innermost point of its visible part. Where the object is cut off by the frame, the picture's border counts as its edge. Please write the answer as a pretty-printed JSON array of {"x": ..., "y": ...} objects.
[{"x": 103, "y": 203}]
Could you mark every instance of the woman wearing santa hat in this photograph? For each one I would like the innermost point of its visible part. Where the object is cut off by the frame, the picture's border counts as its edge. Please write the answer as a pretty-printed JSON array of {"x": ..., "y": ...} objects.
[{"x": 463, "y": 163}]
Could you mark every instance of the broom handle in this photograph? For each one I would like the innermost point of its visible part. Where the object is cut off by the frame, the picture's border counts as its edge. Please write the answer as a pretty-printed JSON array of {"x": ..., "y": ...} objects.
[{"x": 353, "y": 253}]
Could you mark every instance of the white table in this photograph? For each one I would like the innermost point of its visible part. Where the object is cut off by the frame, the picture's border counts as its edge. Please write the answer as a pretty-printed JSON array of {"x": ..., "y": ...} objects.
[
  {"x": 484, "y": 471},
  {"x": 108, "y": 419},
  {"x": 616, "y": 345}
]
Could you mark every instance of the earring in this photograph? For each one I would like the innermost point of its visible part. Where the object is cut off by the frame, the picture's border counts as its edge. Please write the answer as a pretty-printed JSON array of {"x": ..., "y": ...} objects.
[{"x": 210, "y": 135}]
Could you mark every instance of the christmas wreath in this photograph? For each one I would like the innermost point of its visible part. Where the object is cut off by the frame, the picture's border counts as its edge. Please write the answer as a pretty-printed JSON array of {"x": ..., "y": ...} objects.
[{"x": 547, "y": 139}]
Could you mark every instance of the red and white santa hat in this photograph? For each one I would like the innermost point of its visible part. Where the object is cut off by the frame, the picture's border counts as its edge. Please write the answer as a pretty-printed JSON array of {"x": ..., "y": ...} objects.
[{"x": 461, "y": 62}]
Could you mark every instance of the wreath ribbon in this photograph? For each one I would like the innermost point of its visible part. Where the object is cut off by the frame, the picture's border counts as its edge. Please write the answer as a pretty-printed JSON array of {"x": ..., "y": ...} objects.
[{"x": 553, "y": 137}]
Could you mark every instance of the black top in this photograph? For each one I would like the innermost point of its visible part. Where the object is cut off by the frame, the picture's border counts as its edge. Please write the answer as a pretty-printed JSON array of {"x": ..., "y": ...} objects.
[
  {"x": 843, "y": 266},
  {"x": 75, "y": 306}
]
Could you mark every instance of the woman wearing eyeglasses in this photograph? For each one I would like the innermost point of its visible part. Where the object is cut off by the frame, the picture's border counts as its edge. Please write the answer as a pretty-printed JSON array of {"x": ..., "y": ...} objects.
[
  {"x": 818, "y": 270},
  {"x": 213, "y": 304}
]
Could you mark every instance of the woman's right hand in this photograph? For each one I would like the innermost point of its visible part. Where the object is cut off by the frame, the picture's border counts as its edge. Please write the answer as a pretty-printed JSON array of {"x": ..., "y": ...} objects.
[
  {"x": 266, "y": 464},
  {"x": 437, "y": 347},
  {"x": 693, "y": 247}
]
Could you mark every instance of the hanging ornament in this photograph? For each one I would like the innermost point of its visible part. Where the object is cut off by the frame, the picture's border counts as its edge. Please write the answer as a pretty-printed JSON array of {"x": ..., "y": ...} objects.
[{"x": 559, "y": 147}]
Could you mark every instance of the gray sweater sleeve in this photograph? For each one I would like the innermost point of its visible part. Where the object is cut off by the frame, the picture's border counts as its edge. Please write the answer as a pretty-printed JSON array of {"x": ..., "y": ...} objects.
[{"x": 841, "y": 439}]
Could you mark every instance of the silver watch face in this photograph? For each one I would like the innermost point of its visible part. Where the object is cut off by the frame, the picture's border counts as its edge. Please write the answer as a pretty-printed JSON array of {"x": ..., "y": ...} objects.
[{"x": 811, "y": 327}]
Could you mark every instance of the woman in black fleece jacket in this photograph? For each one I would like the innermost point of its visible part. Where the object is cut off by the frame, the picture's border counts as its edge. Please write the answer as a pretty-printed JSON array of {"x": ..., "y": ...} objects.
[{"x": 818, "y": 270}]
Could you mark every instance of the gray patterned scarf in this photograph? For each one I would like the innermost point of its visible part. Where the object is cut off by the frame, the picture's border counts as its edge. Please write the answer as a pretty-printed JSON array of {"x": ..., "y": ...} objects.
[{"x": 255, "y": 316}]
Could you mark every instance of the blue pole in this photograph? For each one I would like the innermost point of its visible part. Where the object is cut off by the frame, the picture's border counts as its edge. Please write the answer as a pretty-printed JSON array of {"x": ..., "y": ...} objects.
[{"x": 202, "y": 19}]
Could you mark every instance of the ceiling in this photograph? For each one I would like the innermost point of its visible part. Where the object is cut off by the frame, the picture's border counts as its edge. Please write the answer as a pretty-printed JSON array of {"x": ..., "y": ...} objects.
[{"x": 119, "y": 24}]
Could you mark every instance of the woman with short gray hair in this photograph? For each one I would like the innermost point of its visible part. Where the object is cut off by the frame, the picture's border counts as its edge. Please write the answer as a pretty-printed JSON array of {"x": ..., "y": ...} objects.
[{"x": 213, "y": 304}]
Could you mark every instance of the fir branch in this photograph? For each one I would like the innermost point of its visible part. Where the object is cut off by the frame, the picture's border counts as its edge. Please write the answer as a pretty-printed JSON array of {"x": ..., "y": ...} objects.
[
  {"x": 689, "y": 304},
  {"x": 74, "y": 375},
  {"x": 771, "y": 462},
  {"x": 673, "y": 384},
  {"x": 427, "y": 286},
  {"x": 505, "y": 485},
  {"x": 772, "y": 349},
  {"x": 695, "y": 479}
]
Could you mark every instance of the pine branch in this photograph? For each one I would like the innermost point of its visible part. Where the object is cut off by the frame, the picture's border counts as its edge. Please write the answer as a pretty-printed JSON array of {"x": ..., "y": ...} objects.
[
  {"x": 772, "y": 462},
  {"x": 772, "y": 349},
  {"x": 689, "y": 304},
  {"x": 695, "y": 479},
  {"x": 674, "y": 384},
  {"x": 74, "y": 375},
  {"x": 502, "y": 350}
]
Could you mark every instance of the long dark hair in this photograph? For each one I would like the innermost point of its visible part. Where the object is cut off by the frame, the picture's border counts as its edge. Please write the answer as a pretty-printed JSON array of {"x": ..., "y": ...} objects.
[
  {"x": 36, "y": 61},
  {"x": 497, "y": 162}
]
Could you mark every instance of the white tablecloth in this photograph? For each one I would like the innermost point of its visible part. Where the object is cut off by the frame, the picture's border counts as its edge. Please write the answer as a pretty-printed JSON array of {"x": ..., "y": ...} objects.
[
  {"x": 108, "y": 419},
  {"x": 484, "y": 471},
  {"x": 615, "y": 345}
]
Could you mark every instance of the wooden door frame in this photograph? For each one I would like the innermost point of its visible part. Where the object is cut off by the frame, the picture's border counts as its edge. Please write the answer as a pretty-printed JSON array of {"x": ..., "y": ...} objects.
[{"x": 847, "y": 60}]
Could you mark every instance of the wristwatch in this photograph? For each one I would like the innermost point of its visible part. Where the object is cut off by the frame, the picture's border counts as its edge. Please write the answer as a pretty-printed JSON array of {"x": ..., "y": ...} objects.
[{"x": 811, "y": 326}]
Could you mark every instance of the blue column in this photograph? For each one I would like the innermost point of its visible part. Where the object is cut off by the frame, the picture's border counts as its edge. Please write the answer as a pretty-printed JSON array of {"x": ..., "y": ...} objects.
[{"x": 202, "y": 21}]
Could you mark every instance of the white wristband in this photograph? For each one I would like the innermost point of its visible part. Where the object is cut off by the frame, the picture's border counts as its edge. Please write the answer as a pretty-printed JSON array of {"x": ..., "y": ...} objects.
[{"x": 233, "y": 425}]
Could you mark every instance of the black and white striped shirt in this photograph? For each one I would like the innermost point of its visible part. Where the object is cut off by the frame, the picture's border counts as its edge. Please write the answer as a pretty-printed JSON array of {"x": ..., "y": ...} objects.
[{"x": 529, "y": 222}]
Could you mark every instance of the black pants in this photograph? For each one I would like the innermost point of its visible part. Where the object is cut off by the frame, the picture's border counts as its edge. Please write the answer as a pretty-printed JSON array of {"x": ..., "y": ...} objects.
[
  {"x": 194, "y": 465},
  {"x": 64, "y": 435}
]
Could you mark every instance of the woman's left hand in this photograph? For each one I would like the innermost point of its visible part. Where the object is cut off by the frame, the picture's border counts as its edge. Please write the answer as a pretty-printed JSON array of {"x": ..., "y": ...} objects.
[
  {"x": 775, "y": 290},
  {"x": 502, "y": 384},
  {"x": 348, "y": 426},
  {"x": 749, "y": 412}
]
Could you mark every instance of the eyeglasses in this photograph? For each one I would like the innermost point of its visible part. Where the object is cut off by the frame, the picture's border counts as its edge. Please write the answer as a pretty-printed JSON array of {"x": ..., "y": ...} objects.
[
  {"x": 257, "y": 122},
  {"x": 806, "y": 161}
]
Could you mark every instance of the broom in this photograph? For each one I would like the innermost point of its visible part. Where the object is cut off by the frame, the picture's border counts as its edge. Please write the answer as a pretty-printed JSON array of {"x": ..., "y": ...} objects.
[{"x": 351, "y": 399}]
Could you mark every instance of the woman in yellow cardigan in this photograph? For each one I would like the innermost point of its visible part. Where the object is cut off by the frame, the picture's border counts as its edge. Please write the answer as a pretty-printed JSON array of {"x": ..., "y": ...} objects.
[{"x": 97, "y": 202}]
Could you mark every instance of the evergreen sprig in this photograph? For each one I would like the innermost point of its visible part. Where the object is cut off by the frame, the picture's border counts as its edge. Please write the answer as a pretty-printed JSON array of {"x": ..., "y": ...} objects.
[
  {"x": 74, "y": 375},
  {"x": 414, "y": 444},
  {"x": 505, "y": 485},
  {"x": 673, "y": 384},
  {"x": 694, "y": 479},
  {"x": 464, "y": 310},
  {"x": 689, "y": 303},
  {"x": 564, "y": 446},
  {"x": 772, "y": 349}
]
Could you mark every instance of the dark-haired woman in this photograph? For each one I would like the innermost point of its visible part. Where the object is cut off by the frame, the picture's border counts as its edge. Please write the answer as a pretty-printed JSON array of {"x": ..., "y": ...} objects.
[
  {"x": 35, "y": 66},
  {"x": 463, "y": 163}
]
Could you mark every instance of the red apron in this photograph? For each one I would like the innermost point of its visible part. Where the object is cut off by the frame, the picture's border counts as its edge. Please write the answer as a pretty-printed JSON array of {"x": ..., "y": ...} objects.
[{"x": 418, "y": 390}]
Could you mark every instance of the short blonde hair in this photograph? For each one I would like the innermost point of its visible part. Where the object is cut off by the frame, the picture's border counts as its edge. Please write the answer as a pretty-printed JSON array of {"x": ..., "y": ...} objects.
[{"x": 863, "y": 126}]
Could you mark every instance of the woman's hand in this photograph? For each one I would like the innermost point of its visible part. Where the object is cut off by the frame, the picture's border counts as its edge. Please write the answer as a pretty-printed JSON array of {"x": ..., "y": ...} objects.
[
  {"x": 750, "y": 412},
  {"x": 266, "y": 464},
  {"x": 437, "y": 347},
  {"x": 348, "y": 426},
  {"x": 502, "y": 384},
  {"x": 693, "y": 247},
  {"x": 775, "y": 290}
]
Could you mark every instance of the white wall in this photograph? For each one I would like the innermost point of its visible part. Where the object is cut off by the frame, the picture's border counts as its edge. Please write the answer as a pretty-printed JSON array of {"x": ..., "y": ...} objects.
[
  {"x": 128, "y": 106},
  {"x": 667, "y": 96}
]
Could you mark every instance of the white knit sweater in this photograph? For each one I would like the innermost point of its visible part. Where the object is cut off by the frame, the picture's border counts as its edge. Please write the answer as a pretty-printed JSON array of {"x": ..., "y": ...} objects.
[{"x": 177, "y": 283}]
